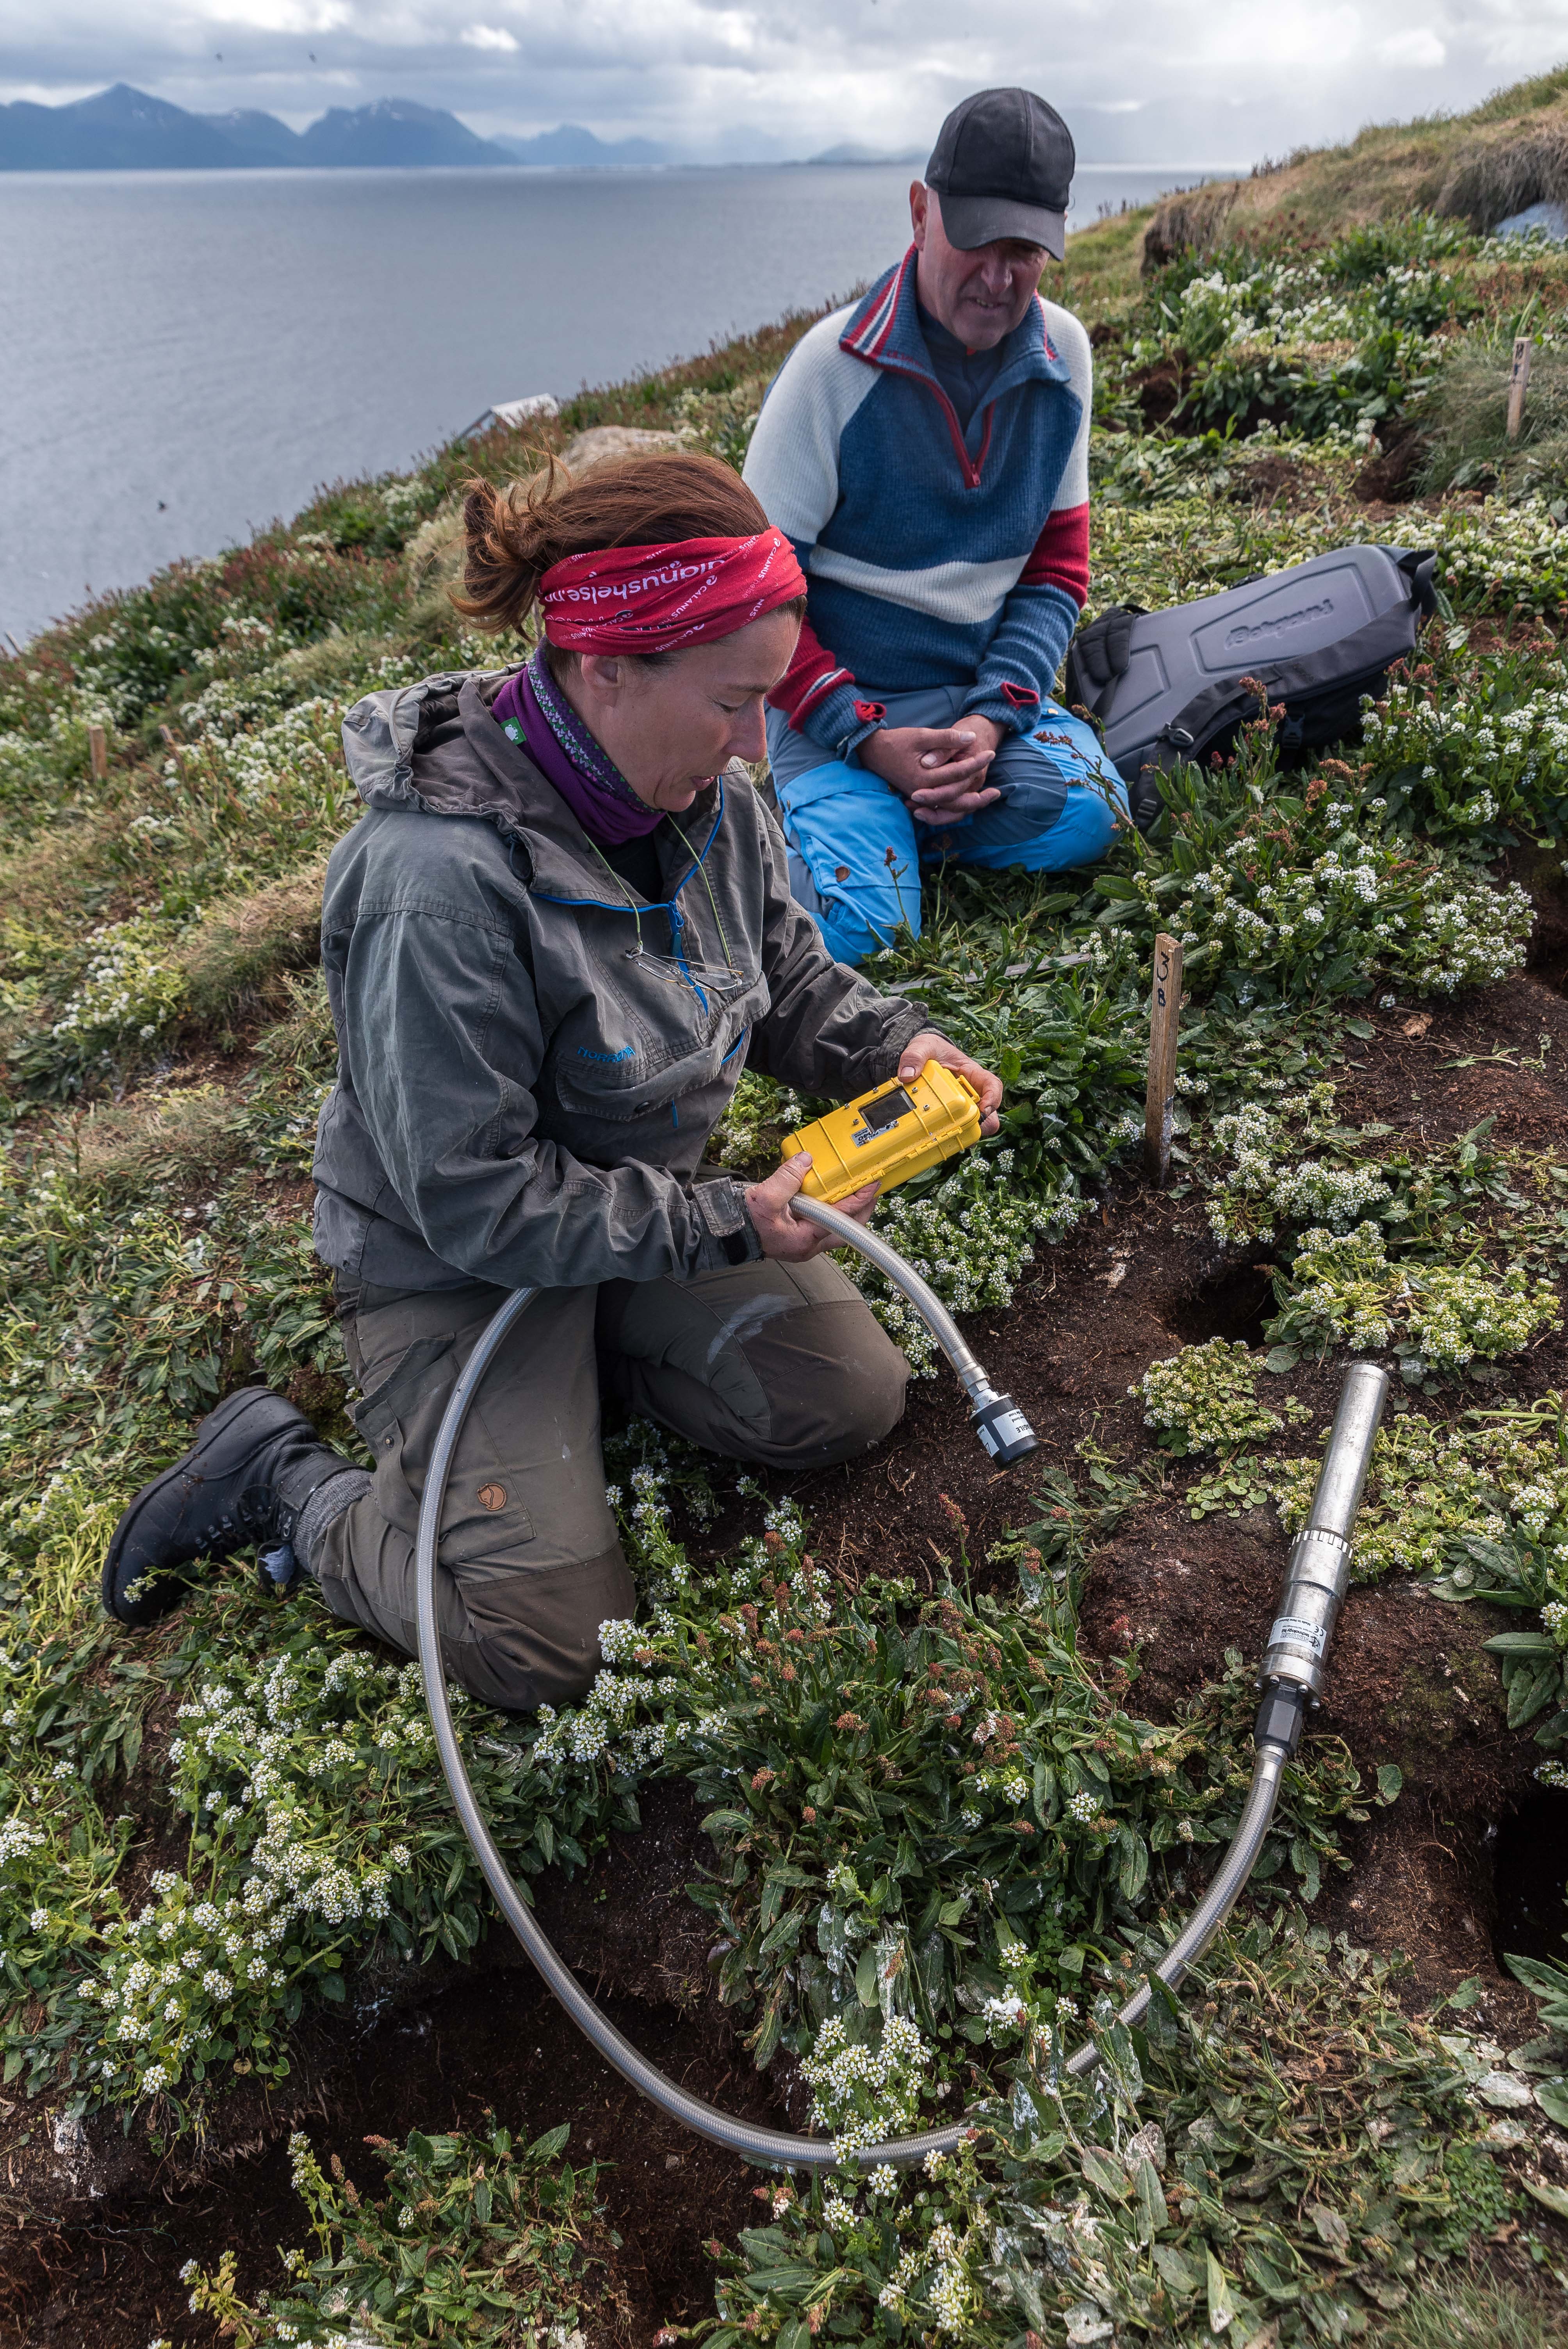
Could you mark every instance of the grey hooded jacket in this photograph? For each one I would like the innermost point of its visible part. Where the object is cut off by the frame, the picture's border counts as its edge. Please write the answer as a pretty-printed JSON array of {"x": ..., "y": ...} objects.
[{"x": 533, "y": 1057}]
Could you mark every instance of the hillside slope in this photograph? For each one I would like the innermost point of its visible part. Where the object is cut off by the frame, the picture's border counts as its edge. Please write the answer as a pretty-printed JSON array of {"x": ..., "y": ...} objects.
[
  {"x": 1478, "y": 168},
  {"x": 905, "y": 1776}
]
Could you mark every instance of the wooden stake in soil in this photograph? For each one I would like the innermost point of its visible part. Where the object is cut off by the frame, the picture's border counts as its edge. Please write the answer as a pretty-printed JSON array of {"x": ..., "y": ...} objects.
[
  {"x": 1518, "y": 383},
  {"x": 1165, "y": 1011},
  {"x": 97, "y": 752}
]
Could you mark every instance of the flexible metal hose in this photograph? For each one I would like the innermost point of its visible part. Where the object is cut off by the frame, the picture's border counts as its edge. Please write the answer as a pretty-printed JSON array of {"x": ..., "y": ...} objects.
[
  {"x": 892, "y": 1266},
  {"x": 1230, "y": 1880},
  {"x": 996, "y": 1420},
  {"x": 766, "y": 2146},
  {"x": 778, "y": 2146}
]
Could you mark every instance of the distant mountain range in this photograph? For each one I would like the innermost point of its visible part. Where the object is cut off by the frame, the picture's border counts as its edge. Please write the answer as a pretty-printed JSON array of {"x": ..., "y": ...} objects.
[
  {"x": 123, "y": 130},
  {"x": 572, "y": 146},
  {"x": 850, "y": 151}
]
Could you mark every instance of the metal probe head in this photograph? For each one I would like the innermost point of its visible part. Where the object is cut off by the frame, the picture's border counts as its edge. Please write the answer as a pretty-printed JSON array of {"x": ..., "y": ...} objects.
[
  {"x": 995, "y": 1418},
  {"x": 1002, "y": 1428},
  {"x": 1290, "y": 1676}
]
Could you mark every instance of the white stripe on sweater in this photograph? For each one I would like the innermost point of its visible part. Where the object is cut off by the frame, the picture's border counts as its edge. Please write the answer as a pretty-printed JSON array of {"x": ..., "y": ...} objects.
[
  {"x": 1070, "y": 342},
  {"x": 792, "y": 465},
  {"x": 962, "y": 594}
]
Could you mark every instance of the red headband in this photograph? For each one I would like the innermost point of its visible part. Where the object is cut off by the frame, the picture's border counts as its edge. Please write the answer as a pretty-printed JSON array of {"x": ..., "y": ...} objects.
[{"x": 649, "y": 599}]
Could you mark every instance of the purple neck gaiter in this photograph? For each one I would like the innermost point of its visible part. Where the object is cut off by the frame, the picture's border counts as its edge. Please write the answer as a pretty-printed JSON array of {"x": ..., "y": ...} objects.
[{"x": 534, "y": 712}]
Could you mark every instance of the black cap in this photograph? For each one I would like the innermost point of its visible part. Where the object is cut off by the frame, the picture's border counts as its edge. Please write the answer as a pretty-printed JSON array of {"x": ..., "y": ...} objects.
[{"x": 1003, "y": 167}]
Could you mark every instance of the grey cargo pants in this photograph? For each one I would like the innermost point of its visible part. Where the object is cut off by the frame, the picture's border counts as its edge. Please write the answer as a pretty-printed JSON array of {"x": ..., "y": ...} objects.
[{"x": 781, "y": 1364}]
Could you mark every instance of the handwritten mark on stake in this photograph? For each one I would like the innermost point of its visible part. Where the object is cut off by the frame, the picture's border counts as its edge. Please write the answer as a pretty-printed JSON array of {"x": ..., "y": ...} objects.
[{"x": 1165, "y": 1012}]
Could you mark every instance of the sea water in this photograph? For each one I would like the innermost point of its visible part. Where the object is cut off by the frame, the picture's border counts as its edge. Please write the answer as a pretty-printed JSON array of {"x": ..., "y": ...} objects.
[{"x": 184, "y": 356}]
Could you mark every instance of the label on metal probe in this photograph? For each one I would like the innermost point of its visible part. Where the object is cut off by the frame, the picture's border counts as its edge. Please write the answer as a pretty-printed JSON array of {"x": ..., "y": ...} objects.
[{"x": 1293, "y": 1630}]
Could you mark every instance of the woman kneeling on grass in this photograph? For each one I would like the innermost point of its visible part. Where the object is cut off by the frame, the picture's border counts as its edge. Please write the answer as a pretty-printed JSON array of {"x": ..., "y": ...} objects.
[{"x": 558, "y": 935}]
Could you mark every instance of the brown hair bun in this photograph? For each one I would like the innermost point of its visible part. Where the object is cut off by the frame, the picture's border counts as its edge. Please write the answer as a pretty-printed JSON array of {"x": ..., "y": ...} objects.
[{"x": 513, "y": 535}]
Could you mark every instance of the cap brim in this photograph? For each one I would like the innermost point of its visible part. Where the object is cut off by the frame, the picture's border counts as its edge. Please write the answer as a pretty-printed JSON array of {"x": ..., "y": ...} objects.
[{"x": 970, "y": 221}]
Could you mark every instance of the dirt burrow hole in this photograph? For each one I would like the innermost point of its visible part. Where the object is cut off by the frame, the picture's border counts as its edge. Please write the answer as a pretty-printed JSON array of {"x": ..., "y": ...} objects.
[
  {"x": 1232, "y": 1301},
  {"x": 1528, "y": 1851},
  {"x": 104, "y": 2269}
]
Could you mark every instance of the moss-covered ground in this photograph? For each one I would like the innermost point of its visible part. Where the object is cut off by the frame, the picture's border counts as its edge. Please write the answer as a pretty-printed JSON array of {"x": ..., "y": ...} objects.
[{"x": 898, "y": 1781}]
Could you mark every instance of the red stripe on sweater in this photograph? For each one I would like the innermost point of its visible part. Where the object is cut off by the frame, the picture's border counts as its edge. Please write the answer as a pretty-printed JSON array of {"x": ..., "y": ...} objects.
[
  {"x": 1060, "y": 558},
  {"x": 811, "y": 675}
]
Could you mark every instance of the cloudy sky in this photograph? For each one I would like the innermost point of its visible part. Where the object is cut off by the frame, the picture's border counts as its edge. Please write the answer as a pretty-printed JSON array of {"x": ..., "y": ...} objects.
[{"x": 1144, "y": 81}]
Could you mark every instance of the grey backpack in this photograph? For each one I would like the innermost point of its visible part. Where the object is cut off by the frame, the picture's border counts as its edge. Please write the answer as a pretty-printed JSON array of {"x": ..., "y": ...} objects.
[{"x": 1166, "y": 686}]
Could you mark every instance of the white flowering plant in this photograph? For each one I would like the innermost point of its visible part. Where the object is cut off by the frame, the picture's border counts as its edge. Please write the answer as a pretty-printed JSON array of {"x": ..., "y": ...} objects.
[
  {"x": 1012, "y": 967},
  {"x": 256, "y": 690},
  {"x": 1414, "y": 1276},
  {"x": 139, "y": 647},
  {"x": 477, "y": 2241},
  {"x": 318, "y": 1823},
  {"x": 128, "y": 991},
  {"x": 1258, "y": 1177},
  {"x": 866, "y": 2091},
  {"x": 1500, "y": 555},
  {"x": 750, "y": 1135},
  {"x": 970, "y": 1239},
  {"x": 1314, "y": 338},
  {"x": 1345, "y": 1288},
  {"x": 319, "y": 1828},
  {"x": 1279, "y": 1165},
  {"x": 1478, "y": 759},
  {"x": 41, "y": 769},
  {"x": 1307, "y": 888},
  {"x": 1205, "y": 1399}
]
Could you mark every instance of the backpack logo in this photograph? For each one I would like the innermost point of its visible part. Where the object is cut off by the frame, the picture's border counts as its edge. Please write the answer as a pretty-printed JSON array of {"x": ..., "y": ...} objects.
[{"x": 1242, "y": 635}]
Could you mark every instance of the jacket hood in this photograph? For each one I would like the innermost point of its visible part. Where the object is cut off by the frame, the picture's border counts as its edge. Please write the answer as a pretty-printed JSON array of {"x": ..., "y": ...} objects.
[{"x": 434, "y": 747}]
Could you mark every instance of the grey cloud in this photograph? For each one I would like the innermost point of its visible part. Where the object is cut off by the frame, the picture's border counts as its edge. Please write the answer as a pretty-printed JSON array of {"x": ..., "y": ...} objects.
[{"x": 1200, "y": 80}]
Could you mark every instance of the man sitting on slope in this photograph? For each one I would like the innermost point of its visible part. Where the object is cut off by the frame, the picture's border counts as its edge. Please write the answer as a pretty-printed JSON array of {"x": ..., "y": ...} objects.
[{"x": 926, "y": 450}]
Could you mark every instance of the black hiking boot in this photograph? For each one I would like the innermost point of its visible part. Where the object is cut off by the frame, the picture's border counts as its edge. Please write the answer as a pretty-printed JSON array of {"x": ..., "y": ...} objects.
[{"x": 254, "y": 1465}]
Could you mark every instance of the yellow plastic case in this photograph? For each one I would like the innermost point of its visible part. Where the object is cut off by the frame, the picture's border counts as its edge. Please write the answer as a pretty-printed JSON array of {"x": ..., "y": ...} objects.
[{"x": 889, "y": 1134}]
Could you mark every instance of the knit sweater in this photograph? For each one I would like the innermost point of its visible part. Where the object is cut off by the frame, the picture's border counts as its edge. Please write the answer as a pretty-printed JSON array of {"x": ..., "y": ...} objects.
[{"x": 933, "y": 555}]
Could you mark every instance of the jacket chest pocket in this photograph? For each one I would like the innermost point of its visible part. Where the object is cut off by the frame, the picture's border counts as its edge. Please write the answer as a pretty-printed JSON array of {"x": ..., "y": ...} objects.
[{"x": 667, "y": 1027}]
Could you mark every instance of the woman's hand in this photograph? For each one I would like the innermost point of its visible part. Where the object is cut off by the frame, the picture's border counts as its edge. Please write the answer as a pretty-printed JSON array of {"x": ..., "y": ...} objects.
[
  {"x": 787, "y": 1236},
  {"x": 930, "y": 1045}
]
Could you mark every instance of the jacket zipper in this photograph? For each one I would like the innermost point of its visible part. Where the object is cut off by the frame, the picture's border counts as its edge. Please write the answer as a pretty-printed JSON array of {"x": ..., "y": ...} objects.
[{"x": 970, "y": 465}]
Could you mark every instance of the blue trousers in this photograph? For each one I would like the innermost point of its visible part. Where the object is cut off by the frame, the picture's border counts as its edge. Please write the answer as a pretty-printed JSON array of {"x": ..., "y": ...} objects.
[{"x": 856, "y": 852}]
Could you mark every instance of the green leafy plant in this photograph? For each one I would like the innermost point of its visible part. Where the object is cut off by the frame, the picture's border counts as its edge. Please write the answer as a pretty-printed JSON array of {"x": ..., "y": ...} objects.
[
  {"x": 475, "y": 2242},
  {"x": 896, "y": 1802},
  {"x": 1199, "y": 2185}
]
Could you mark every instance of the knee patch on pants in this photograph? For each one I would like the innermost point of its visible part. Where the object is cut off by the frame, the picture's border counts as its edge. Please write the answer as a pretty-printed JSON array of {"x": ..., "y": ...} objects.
[
  {"x": 774, "y": 1362},
  {"x": 536, "y": 1631}
]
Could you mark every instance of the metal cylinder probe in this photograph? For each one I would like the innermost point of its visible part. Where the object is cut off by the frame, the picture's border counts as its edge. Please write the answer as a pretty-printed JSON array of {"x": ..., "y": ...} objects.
[{"x": 1318, "y": 1573}]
